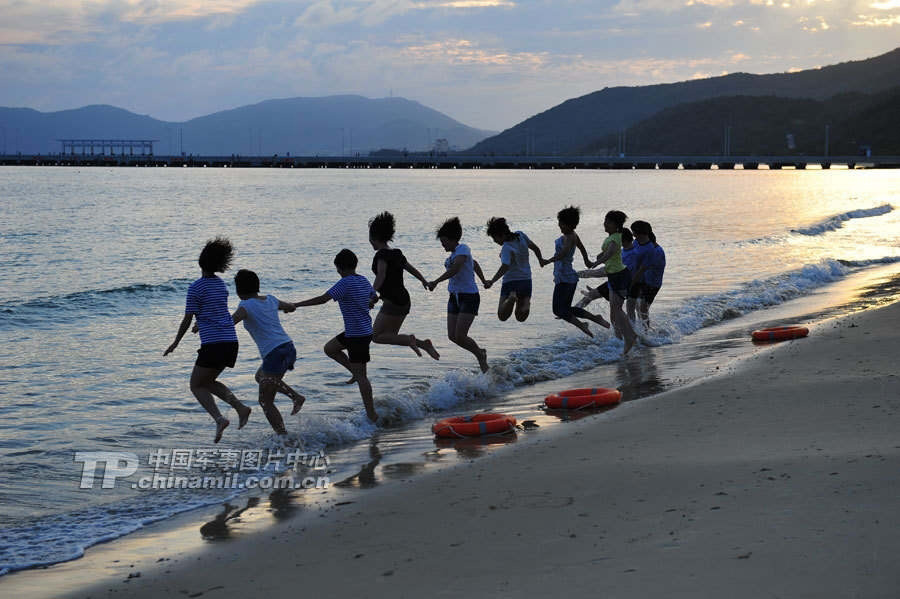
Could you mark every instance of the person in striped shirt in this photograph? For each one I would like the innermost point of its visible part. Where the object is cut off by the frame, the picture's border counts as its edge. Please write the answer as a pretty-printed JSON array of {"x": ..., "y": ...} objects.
[
  {"x": 355, "y": 297},
  {"x": 207, "y": 299}
]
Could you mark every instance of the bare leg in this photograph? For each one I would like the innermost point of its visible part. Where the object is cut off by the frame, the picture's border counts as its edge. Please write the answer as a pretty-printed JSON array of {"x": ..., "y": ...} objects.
[
  {"x": 506, "y": 305},
  {"x": 268, "y": 386},
  {"x": 286, "y": 389},
  {"x": 365, "y": 388},
  {"x": 224, "y": 393},
  {"x": 386, "y": 330},
  {"x": 523, "y": 308},
  {"x": 595, "y": 318},
  {"x": 202, "y": 379},
  {"x": 581, "y": 326},
  {"x": 458, "y": 332},
  {"x": 630, "y": 308},
  {"x": 335, "y": 351},
  {"x": 620, "y": 320}
]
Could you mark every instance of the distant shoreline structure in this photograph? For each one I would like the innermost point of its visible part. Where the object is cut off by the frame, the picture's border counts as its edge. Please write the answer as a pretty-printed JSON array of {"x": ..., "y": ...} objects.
[{"x": 463, "y": 161}]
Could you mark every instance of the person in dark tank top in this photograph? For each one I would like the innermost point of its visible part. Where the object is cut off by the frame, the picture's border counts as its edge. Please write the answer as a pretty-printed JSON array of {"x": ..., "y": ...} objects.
[{"x": 388, "y": 266}]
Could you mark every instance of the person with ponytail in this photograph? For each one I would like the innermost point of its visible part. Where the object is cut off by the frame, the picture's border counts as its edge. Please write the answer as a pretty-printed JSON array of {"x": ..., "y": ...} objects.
[
  {"x": 515, "y": 293},
  {"x": 650, "y": 269}
]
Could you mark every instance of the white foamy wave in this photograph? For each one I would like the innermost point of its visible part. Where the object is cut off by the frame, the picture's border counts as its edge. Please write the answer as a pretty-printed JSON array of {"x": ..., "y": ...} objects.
[{"x": 837, "y": 221}]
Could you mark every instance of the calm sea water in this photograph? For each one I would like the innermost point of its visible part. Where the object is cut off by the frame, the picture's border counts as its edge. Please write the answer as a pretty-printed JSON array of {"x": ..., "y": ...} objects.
[{"x": 97, "y": 263}]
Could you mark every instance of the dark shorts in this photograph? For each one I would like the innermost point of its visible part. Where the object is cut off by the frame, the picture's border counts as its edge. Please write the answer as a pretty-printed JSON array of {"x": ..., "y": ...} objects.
[
  {"x": 465, "y": 303},
  {"x": 522, "y": 288},
  {"x": 217, "y": 355},
  {"x": 281, "y": 359},
  {"x": 648, "y": 293},
  {"x": 562, "y": 299},
  {"x": 392, "y": 309},
  {"x": 635, "y": 290},
  {"x": 357, "y": 347},
  {"x": 620, "y": 282}
]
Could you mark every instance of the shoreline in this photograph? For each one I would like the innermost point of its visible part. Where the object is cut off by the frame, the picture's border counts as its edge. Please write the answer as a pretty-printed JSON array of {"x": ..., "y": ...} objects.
[{"x": 649, "y": 448}]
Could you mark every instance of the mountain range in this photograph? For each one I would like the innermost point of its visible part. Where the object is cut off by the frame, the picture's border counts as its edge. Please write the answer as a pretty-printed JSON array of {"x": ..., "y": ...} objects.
[
  {"x": 333, "y": 125},
  {"x": 586, "y": 122}
]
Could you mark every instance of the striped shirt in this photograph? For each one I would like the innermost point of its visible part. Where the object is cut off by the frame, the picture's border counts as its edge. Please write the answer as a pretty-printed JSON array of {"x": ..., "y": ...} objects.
[
  {"x": 207, "y": 299},
  {"x": 352, "y": 293}
]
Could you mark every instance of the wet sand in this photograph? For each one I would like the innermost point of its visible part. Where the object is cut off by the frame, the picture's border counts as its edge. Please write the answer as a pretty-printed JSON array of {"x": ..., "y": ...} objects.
[{"x": 778, "y": 478}]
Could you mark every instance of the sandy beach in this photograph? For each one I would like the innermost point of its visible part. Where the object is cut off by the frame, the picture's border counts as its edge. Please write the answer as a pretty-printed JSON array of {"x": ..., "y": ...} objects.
[{"x": 778, "y": 478}]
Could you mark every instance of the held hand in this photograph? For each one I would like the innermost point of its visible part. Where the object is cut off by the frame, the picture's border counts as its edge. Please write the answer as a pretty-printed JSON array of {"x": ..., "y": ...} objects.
[
  {"x": 487, "y": 284},
  {"x": 432, "y": 285},
  {"x": 195, "y": 328},
  {"x": 290, "y": 308},
  {"x": 425, "y": 284}
]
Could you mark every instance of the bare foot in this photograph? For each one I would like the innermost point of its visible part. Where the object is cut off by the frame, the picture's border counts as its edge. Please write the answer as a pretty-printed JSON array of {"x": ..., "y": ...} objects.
[
  {"x": 482, "y": 360},
  {"x": 243, "y": 416},
  {"x": 583, "y": 327},
  {"x": 428, "y": 346},
  {"x": 298, "y": 403},
  {"x": 600, "y": 320},
  {"x": 221, "y": 425},
  {"x": 413, "y": 345}
]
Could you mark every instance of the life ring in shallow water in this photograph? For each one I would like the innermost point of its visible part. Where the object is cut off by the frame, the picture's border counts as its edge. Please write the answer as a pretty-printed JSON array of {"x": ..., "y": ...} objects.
[
  {"x": 576, "y": 399},
  {"x": 780, "y": 333},
  {"x": 474, "y": 426}
]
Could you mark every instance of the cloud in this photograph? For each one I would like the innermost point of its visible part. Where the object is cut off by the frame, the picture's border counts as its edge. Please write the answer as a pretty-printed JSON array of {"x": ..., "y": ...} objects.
[
  {"x": 872, "y": 21},
  {"x": 886, "y": 5}
]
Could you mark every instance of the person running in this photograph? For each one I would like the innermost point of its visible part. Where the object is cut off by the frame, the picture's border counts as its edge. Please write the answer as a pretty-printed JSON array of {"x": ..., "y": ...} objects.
[
  {"x": 354, "y": 294},
  {"x": 259, "y": 313},
  {"x": 649, "y": 272},
  {"x": 564, "y": 276},
  {"x": 618, "y": 276},
  {"x": 388, "y": 266},
  {"x": 462, "y": 307},
  {"x": 515, "y": 293},
  {"x": 207, "y": 299},
  {"x": 629, "y": 258}
]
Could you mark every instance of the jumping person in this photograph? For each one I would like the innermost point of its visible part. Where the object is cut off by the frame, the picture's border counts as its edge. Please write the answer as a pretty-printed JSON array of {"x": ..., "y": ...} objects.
[
  {"x": 259, "y": 313},
  {"x": 354, "y": 295},
  {"x": 514, "y": 268},
  {"x": 650, "y": 270},
  {"x": 564, "y": 276},
  {"x": 207, "y": 299},
  {"x": 462, "y": 306},
  {"x": 388, "y": 266}
]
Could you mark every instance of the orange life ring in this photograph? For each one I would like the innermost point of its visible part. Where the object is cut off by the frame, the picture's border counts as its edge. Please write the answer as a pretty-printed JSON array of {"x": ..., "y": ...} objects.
[
  {"x": 474, "y": 426},
  {"x": 780, "y": 333},
  {"x": 575, "y": 399}
]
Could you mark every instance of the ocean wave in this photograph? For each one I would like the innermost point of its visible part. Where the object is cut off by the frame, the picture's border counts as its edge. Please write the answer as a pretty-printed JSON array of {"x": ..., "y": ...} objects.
[{"x": 837, "y": 221}]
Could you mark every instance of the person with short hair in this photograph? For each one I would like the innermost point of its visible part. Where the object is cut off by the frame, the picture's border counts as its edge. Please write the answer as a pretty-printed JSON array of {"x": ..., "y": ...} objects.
[
  {"x": 259, "y": 313},
  {"x": 650, "y": 269},
  {"x": 355, "y": 296},
  {"x": 207, "y": 299},
  {"x": 515, "y": 293},
  {"x": 462, "y": 306},
  {"x": 618, "y": 276}
]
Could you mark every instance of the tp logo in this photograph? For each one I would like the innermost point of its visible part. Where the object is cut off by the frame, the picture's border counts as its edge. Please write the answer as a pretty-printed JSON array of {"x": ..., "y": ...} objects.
[{"x": 117, "y": 464}]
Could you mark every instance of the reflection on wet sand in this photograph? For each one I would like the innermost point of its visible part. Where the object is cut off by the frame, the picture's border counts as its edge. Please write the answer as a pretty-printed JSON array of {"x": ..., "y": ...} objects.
[
  {"x": 217, "y": 529},
  {"x": 365, "y": 478},
  {"x": 473, "y": 447}
]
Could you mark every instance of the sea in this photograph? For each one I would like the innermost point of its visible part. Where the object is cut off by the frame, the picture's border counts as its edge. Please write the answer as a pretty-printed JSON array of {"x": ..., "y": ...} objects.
[{"x": 96, "y": 263}]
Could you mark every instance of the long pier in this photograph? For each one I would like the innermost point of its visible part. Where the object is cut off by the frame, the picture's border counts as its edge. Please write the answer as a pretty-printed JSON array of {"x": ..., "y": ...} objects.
[{"x": 461, "y": 161}]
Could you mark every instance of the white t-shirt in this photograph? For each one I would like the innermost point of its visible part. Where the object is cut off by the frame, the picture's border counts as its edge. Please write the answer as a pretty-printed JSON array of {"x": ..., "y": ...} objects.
[
  {"x": 464, "y": 280},
  {"x": 262, "y": 323}
]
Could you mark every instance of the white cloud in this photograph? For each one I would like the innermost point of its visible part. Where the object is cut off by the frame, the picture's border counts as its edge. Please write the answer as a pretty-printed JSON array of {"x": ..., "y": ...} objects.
[
  {"x": 873, "y": 21},
  {"x": 886, "y": 5}
]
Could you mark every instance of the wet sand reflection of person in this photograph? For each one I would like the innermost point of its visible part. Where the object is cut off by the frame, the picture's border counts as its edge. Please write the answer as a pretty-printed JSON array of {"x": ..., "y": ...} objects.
[
  {"x": 217, "y": 529},
  {"x": 365, "y": 478}
]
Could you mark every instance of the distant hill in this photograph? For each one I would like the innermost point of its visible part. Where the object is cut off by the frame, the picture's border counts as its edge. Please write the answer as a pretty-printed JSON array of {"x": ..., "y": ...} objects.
[
  {"x": 580, "y": 122},
  {"x": 767, "y": 125},
  {"x": 302, "y": 126}
]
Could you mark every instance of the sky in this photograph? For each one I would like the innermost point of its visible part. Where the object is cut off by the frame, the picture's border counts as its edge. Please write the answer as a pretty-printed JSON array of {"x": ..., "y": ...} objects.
[{"x": 487, "y": 63}]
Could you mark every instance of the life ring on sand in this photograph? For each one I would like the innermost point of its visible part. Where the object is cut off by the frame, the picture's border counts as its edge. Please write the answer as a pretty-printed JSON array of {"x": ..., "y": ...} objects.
[
  {"x": 780, "y": 333},
  {"x": 474, "y": 426},
  {"x": 576, "y": 399}
]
